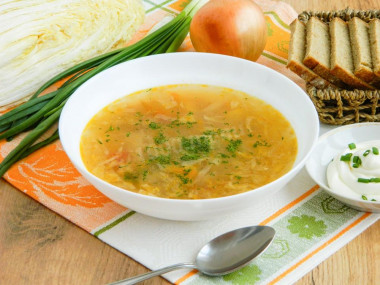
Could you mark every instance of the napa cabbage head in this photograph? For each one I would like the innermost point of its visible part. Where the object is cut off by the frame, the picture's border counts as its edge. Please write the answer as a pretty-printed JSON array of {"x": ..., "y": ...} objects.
[{"x": 41, "y": 38}]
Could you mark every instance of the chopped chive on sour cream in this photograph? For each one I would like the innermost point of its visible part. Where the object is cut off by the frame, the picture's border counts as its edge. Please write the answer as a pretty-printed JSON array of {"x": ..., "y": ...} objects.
[{"x": 355, "y": 172}]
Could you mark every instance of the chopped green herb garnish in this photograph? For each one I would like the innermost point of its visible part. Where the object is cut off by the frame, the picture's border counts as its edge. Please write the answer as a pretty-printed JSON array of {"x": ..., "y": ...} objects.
[
  {"x": 250, "y": 135},
  {"x": 190, "y": 113},
  {"x": 184, "y": 180},
  {"x": 363, "y": 180},
  {"x": 356, "y": 161},
  {"x": 110, "y": 129},
  {"x": 366, "y": 152},
  {"x": 233, "y": 145},
  {"x": 346, "y": 157},
  {"x": 188, "y": 157},
  {"x": 224, "y": 155},
  {"x": 161, "y": 159},
  {"x": 352, "y": 146},
  {"x": 196, "y": 145},
  {"x": 130, "y": 176},
  {"x": 190, "y": 124},
  {"x": 145, "y": 173},
  {"x": 369, "y": 180},
  {"x": 128, "y": 134},
  {"x": 364, "y": 197},
  {"x": 260, "y": 143},
  {"x": 186, "y": 171},
  {"x": 238, "y": 177},
  {"x": 160, "y": 138},
  {"x": 212, "y": 132},
  {"x": 375, "y": 150},
  {"x": 138, "y": 114},
  {"x": 154, "y": 126},
  {"x": 107, "y": 140},
  {"x": 99, "y": 141},
  {"x": 373, "y": 200}
]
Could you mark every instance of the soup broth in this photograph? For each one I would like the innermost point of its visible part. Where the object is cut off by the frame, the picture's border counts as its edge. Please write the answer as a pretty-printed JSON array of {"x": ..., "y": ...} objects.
[{"x": 188, "y": 142}]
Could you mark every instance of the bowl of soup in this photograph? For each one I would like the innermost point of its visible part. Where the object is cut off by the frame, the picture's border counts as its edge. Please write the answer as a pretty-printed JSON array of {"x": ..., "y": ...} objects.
[{"x": 188, "y": 136}]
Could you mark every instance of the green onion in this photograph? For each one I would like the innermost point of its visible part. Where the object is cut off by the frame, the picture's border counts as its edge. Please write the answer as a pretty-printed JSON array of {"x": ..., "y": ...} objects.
[
  {"x": 40, "y": 113},
  {"x": 352, "y": 146},
  {"x": 366, "y": 152},
  {"x": 346, "y": 157},
  {"x": 369, "y": 180},
  {"x": 364, "y": 197},
  {"x": 363, "y": 180},
  {"x": 356, "y": 161},
  {"x": 375, "y": 150}
]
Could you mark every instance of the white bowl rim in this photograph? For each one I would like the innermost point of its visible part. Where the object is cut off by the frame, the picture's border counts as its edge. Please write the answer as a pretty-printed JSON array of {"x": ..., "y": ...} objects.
[
  {"x": 295, "y": 169},
  {"x": 329, "y": 134}
]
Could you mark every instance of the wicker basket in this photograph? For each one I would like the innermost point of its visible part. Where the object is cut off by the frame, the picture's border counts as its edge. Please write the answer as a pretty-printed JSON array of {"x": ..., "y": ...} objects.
[{"x": 337, "y": 106}]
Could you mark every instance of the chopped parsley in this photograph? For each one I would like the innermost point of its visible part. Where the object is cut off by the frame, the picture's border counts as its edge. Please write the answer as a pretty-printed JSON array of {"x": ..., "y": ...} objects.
[
  {"x": 110, "y": 129},
  {"x": 161, "y": 159},
  {"x": 130, "y": 176},
  {"x": 178, "y": 123},
  {"x": 212, "y": 132},
  {"x": 145, "y": 173},
  {"x": 188, "y": 157},
  {"x": 233, "y": 145},
  {"x": 128, "y": 134},
  {"x": 184, "y": 180},
  {"x": 154, "y": 126},
  {"x": 261, "y": 143},
  {"x": 160, "y": 138},
  {"x": 196, "y": 145}
]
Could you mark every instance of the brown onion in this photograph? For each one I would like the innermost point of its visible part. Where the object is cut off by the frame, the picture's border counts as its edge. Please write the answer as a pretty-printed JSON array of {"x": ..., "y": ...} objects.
[{"x": 230, "y": 27}]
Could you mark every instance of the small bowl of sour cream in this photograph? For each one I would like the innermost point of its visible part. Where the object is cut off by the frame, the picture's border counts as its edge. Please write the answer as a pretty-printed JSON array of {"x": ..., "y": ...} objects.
[{"x": 346, "y": 163}]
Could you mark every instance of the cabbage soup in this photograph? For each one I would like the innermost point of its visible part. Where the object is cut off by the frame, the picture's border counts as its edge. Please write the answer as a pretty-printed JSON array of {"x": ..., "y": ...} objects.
[{"x": 188, "y": 142}]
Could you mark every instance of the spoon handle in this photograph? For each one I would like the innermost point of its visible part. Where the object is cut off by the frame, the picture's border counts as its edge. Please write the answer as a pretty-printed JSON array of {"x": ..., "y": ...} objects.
[{"x": 142, "y": 277}]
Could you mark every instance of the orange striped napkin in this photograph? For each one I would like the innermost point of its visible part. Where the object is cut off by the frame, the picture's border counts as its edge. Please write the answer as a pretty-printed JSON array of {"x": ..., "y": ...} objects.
[{"x": 310, "y": 224}]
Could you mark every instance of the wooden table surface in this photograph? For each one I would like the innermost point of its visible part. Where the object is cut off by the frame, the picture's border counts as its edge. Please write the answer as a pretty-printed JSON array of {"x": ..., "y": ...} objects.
[{"x": 39, "y": 247}]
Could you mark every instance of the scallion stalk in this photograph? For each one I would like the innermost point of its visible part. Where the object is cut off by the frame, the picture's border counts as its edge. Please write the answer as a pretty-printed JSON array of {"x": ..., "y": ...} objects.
[{"x": 40, "y": 113}]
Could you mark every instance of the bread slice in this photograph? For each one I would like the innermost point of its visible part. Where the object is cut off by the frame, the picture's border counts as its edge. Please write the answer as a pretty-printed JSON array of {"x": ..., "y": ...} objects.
[
  {"x": 341, "y": 55},
  {"x": 317, "y": 56},
  {"x": 374, "y": 38},
  {"x": 297, "y": 53},
  {"x": 361, "y": 49}
]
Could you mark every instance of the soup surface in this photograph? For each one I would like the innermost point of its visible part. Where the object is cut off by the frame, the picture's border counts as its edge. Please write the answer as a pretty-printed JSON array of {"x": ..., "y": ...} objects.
[{"x": 188, "y": 142}]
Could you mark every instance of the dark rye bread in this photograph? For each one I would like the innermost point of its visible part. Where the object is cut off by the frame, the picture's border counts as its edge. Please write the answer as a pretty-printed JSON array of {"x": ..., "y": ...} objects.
[
  {"x": 341, "y": 55},
  {"x": 361, "y": 51},
  {"x": 317, "y": 56},
  {"x": 296, "y": 55}
]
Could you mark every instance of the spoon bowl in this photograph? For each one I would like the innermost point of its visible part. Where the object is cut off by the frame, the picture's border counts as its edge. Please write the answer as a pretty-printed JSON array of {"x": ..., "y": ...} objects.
[{"x": 223, "y": 254}]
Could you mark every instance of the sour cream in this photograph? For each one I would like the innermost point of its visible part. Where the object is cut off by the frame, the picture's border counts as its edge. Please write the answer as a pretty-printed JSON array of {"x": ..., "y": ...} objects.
[{"x": 361, "y": 164}]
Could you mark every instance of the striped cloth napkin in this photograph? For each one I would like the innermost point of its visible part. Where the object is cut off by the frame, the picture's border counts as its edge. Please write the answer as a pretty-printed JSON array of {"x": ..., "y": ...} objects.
[{"x": 310, "y": 224}]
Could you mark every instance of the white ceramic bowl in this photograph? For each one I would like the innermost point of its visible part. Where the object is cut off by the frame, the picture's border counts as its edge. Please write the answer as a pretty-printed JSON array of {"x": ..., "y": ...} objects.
[
  {"x": 191, "y": 68},
  {"x": 331, "y": 144}
]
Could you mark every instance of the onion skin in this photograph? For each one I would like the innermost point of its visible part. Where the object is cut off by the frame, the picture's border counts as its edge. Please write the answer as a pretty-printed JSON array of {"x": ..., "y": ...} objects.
[{"x": 230, "y": 27}]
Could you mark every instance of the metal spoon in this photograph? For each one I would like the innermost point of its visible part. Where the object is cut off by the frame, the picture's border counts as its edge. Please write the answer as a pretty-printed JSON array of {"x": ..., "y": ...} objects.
[{"x": 222, "y": 255}]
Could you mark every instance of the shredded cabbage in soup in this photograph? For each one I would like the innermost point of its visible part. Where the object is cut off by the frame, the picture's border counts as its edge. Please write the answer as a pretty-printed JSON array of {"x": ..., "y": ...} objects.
[{"x": 189, "y": 142}]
